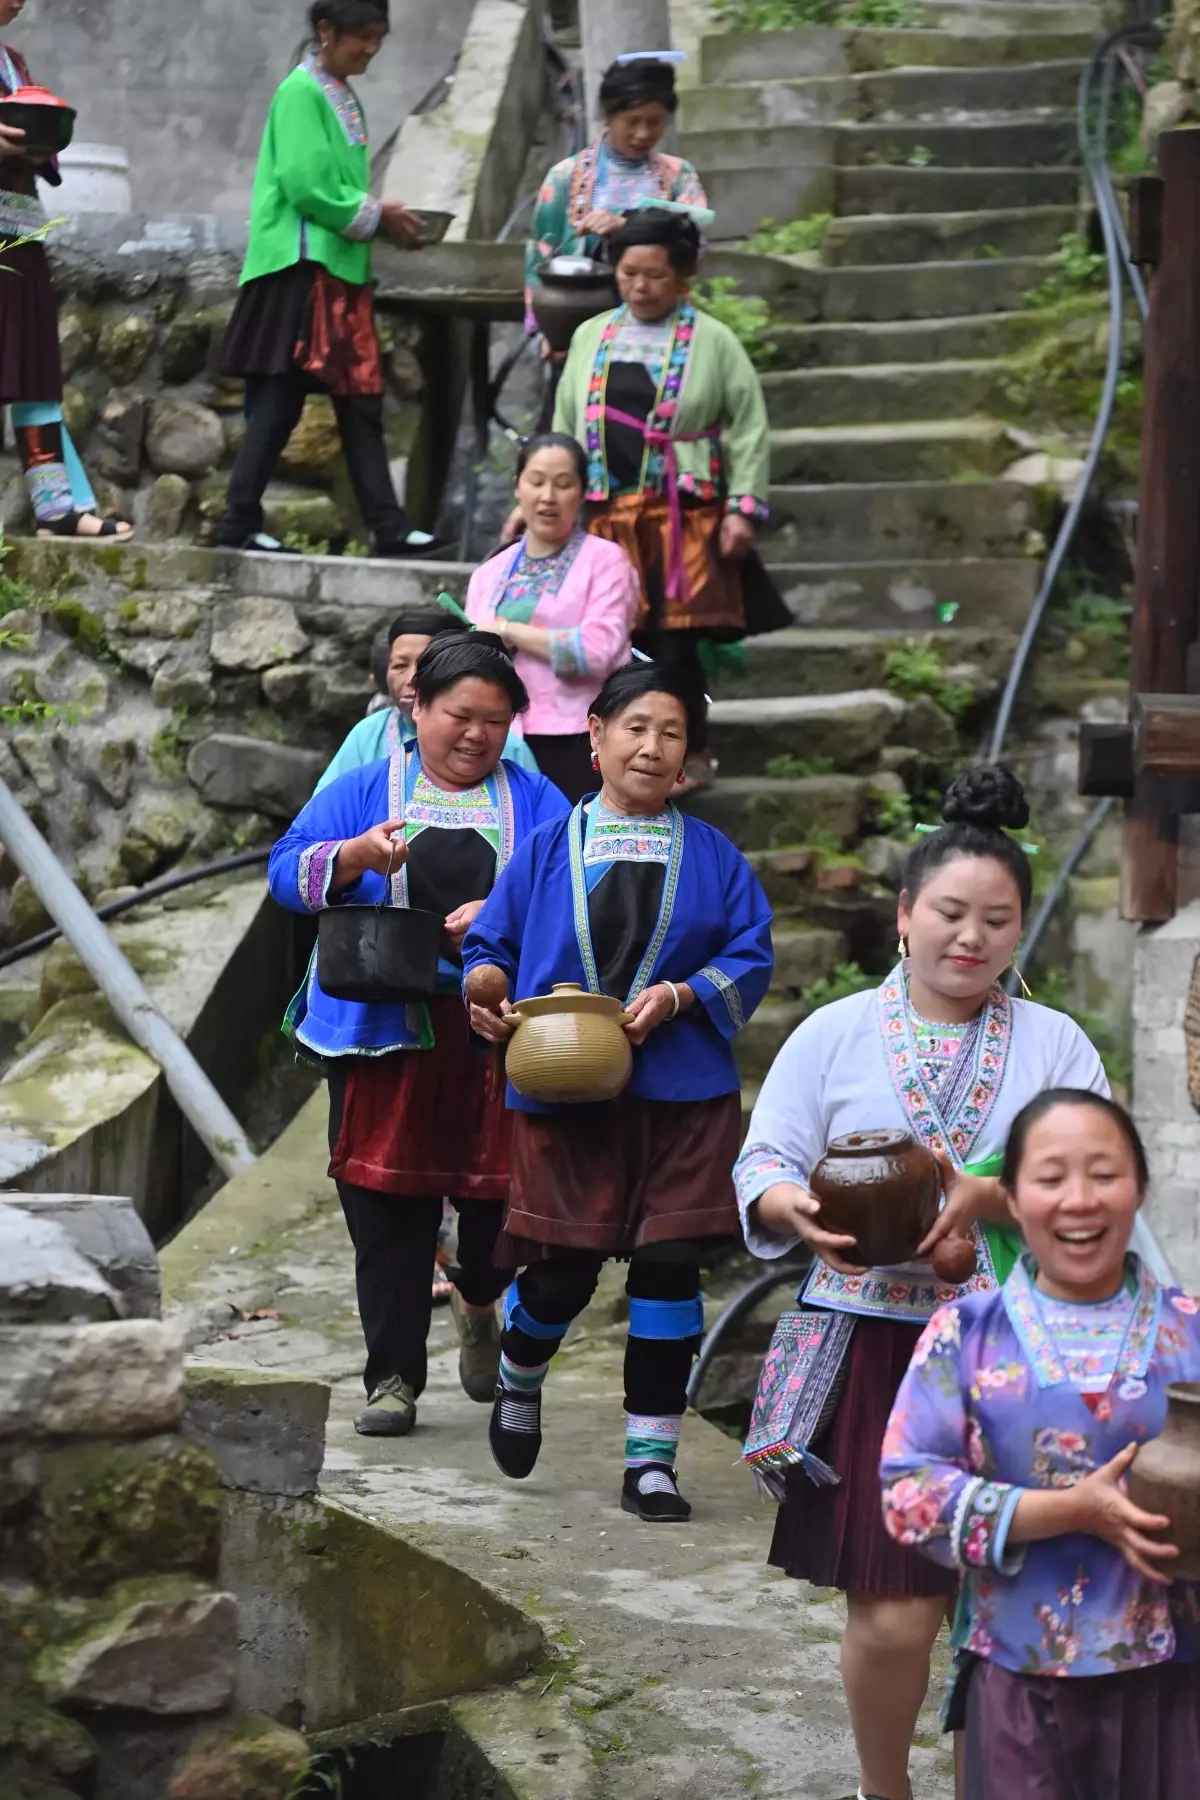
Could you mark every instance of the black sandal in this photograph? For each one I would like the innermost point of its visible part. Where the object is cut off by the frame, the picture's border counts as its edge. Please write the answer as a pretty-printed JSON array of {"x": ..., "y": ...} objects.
[{"x": 68, "y": 526}]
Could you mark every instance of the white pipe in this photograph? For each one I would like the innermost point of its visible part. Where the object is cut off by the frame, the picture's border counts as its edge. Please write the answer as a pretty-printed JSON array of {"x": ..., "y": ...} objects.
[{"x": 194, "y": 1093}]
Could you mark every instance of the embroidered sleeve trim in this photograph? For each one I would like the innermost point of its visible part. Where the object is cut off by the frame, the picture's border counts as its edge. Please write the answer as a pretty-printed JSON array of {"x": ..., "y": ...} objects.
[
  {"x": 365, "y": 223},
  {"x": 979, "y": 1528},
  {"x": 315, "y": 872},
  {"x": 568, "y": 658},
  {"x": 748, "y": 506},
  {"x": 729, "y": 994}
]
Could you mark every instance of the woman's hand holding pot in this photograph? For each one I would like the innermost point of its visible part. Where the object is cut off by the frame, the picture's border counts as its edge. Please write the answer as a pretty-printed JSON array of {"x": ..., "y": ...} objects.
[
  {"x": 377, "y": 850},
  {"x": 493, "y": 1025},
  {"x": 786, "y": 1210},
  {"x": 653, "y": 1006},
  {"x": 12, "y": 141},
  {"x": 1099, "y": 1507}
]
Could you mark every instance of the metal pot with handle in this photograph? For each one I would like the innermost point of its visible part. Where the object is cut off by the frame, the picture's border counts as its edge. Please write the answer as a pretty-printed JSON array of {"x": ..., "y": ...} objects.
[{"x": 379, "y": 954}]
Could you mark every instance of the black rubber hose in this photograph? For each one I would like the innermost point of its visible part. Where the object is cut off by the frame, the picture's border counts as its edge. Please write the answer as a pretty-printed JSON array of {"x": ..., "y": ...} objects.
[
  {"x": 153, "y": 890},
  {"x": 741, "y": 1304}
]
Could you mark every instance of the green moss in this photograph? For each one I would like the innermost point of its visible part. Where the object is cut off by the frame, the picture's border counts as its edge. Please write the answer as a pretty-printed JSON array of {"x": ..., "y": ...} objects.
[
  {"x": 81, "y": 625},
  {"x": 111, "y": 560}
]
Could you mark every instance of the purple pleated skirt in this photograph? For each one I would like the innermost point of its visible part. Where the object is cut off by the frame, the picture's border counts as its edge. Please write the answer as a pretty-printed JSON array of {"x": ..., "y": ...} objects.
[
  {"x": 30, "y": 364},
  {"x": 834, "y": 1536},
  {"x": 1097, "y": 1737}
]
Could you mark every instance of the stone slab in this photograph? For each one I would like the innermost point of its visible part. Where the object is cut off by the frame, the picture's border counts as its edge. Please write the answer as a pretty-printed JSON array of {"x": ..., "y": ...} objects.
[
  {"x": 267, "y": 1431},
  {"x": 169, "y": 1646},
  {"x": 44, "y": 1280},
  {"x": 56, "y": 1381},
  {"x": 106, "y": 1230},
  {"x": 277, "y": 779}
]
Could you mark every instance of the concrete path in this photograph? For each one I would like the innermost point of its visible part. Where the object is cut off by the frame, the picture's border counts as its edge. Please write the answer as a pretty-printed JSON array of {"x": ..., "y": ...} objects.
[{"x": 695, "y": 1672}]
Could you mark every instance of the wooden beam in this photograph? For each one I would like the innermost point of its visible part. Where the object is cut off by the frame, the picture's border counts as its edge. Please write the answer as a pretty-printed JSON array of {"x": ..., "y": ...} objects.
[
  {"x": 1145, "y": 220},
  {"x": 1168, "y": 561},
  {"x": 1105, "y": 761},
  {"x": 1166, "y": 734}
]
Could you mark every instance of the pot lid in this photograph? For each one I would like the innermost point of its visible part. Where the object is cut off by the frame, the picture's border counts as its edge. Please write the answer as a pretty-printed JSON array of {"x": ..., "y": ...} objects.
[
  {"x": 568, "y": 997},
  {"x": 870, "y": 1143},
  {"x": 34, "y": 96}
]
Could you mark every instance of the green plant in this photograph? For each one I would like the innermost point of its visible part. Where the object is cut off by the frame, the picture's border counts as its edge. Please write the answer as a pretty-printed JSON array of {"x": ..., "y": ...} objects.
[
  {"x": 893, "y": 813},
  {"x": 895, "y": 15},
  {"x": 15, "y": 592},
  {"x": 1077, "y": 270},
  {"x": 307, "y": 546},
  {"x": 747, "y": 315},
  {"x": 795, "y": 768},
  {"x": 918, "y": 666},
  {"x": 773, "y": 15},
  {"x": 789, "y": 240},
  {"x": 24, "y": 704},
  {"x": 920, "y": 156},
  {"x": 1052, "y": 987},
  {"x": 847, "y": 978}
]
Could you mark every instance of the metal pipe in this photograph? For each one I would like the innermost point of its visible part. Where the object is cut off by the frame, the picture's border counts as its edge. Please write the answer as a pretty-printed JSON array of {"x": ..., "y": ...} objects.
[{"x": 193, "y": 1092}]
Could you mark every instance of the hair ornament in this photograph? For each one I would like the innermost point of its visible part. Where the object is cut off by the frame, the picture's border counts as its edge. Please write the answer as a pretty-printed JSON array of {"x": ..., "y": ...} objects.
[
  {"x": 664, "y": 56},
  {"x": 699, "y": 215},
  {"x": 924, "y": 831}
]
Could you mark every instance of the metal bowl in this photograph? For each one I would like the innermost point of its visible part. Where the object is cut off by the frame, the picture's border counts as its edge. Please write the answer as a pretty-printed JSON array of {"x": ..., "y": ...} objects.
[{"x": 434, "y": 225}]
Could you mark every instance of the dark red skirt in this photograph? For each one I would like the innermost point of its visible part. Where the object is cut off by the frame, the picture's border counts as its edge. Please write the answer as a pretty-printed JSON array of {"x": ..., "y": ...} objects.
[
  {"x": 835, "y": 1536},
  {"x": 1095, "y": 1737},
  {"x": 427, "y": 1121},
  {"x": 30, "y": 364},
  {"x": 612, "y": 1178}
]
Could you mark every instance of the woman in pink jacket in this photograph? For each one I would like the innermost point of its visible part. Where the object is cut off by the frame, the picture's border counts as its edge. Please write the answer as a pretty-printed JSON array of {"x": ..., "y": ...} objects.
[{"x": 564, "y": 603}]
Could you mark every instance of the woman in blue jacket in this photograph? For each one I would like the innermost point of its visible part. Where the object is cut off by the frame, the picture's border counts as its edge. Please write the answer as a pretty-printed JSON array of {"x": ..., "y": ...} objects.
[{"x": 627, "y": 897}]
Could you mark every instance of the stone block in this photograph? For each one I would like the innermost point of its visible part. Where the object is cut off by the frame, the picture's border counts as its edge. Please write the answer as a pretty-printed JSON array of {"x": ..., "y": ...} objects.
[
  {"x": 267, "y": 1432},
  {"x": 107, "y": 1230},
  {"x": 124, "y": 346},
  {"x": 302, "y": 513},
  {"x": 123, "y": 1379},
  {"x": 107, "y": 1512},
  {"x": 184, "y": 438},
  {"x": 186, "y": 346},
  {"x": 240, "y": 1759},
  {"x": 255, "y": 633},
  {"x": 251, "y": 773},
  {"x": 166, "y": 504},
  {"x": 44, "y": 1279},
  {"x": 165, "y": 1646},
  {"x": 160, "y": 616},
  {"x": 110, "y": 768},
  {"x": 315, "y": 446},
  {"x": 117, "y": 454},
  {"x": 182, "y": 685},
  {"x": 286, "y": 685}
]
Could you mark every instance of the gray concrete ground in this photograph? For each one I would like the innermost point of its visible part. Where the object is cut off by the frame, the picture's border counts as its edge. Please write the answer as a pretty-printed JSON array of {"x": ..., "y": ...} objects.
[
  {"x": 185, "y": 88},
  {"x": 695, "y": 1671}
]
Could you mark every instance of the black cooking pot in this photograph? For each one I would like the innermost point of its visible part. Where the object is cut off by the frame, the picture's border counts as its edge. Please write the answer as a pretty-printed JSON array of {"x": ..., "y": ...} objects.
[
  {"x": 563, "y": 301},
  {"x": 379, "y": 953},
  {"x": 47, "y": 121}
]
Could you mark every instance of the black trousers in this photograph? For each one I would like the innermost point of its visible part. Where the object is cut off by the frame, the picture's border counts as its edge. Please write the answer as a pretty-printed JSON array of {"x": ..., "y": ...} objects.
[
  {"x": 566, "y": 760},
  {"x": 556, "y": 1291},
  {"x": 273, "y": 407}
]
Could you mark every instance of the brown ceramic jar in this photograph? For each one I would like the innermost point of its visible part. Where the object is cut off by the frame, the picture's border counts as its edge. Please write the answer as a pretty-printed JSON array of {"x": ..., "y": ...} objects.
[
  {"x": 882, "y": 1189},
  {"x": 569, "y": 1046},
  {"x": 1164, "y": 1477}
]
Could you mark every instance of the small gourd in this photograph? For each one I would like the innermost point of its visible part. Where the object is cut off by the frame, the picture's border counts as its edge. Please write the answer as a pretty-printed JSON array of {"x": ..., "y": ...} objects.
[
  {"x": 954, "y": 1260},
  {"x": 487, "y": 986}
]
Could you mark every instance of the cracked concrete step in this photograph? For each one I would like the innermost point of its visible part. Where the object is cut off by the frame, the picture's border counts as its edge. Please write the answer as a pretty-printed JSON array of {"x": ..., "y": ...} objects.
[
  {"x": 789, "y": 54},
  {"x": 882, "y": 93},
  {"x": 886, "y": 393},
  {"x": 923, "y": 450},
  {"x": 932, "y": 290},
  {"x": 894, "y": 521},
  {"x": 806, "y": 661},
  {"x": 849, "y": 729},
  {"x": 902, "y": 596},
  {"x": 930, "y": 190},
  {"x": 904, "y": 340},
  {"x": 803, "y": 954},
  {"x": 947, "y": 237},
  {"x": 759, "y": 813}
]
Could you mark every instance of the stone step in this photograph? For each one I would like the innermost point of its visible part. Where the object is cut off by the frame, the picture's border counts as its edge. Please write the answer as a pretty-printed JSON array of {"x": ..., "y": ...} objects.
[
  {"x": 903, "y": 596},
  {"x": 947, "y": 237},
  {"x": 885, "y": 393},
  {"x": 759, "y": 813},
  {"x": 889, "y": 522},
  {"x": 982, "y": 18},
  {"x": 904, "y": 340},
  {"x": 763, "y": 1037},
  {"x": 790, "y": 54},
  {"x": 802, "y": 184},
  {"x": 804, "y": 954},
  {"x": 884, "y": 93},
  {"x": 1037, "y": 140},
  {"x": 849, "y": 729},
  {"x": 924, "y": 450},
  {"x": 812, "y": 661},
  {"x": 933, "y": 290},
  {"x": 887, "y": 189}
]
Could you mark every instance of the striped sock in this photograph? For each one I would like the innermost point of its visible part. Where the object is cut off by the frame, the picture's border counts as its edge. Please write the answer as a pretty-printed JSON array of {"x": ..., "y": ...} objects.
[
  {"x": 651, "y": 1440},
  {"x": 520, "y": 1380},
  {"x": 521, "y": 1395}
]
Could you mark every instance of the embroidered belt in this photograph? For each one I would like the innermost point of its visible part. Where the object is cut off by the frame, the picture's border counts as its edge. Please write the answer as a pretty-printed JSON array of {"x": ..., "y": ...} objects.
[
  {"x": 21, "y": 215},
  {"x": 678, "y": 586}
]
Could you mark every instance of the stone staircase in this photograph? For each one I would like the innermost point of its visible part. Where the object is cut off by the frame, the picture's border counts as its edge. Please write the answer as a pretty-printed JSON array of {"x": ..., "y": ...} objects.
[{"x": 946, "y": 159}]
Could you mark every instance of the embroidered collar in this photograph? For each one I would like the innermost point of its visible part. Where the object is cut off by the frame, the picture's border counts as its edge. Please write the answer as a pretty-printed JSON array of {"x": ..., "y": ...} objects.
[
  {"x": 342, "y": 98},
  {"x": 1025, "y": 1314},
  {"x": 662, "y": 414},
  {"x": 579, "y": 899},
  {"x": 405, "y": 770},
  {"x": 660, "y": 169},
  {"x": 956, "y": 1136},
  {"x": 529, "y": 580}
]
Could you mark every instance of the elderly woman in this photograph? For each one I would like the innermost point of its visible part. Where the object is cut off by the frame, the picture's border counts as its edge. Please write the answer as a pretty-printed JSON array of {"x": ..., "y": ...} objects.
[
  {"x": 415, "y": 1112},
  {"x": 564, "y": 602},
  {"x": 630, "y": 898},
  {"x": 303, "y": 322},
  {"x": 394, "y": 658},
  {"x": 31, "y": 377},
  {"x": 584, "y": 199},
  {"x": 671, "y": 413}
]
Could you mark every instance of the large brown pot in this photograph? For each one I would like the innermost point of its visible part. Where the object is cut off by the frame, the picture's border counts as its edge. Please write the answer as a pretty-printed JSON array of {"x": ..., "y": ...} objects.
[
  {"x": 562, "y": 302},
  {"x": 880, "y": 1188},
  {"x": 569, "y": 1046},
  {"x": 1165, "y": 1478}
]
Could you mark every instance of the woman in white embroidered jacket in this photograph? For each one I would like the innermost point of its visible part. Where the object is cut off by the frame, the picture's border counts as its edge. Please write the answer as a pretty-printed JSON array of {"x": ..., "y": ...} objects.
[{"x": 942, "y": 1052}]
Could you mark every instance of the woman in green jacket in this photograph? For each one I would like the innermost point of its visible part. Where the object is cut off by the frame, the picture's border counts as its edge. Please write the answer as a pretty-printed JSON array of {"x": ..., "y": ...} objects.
[{"x": 303, "y": 322}]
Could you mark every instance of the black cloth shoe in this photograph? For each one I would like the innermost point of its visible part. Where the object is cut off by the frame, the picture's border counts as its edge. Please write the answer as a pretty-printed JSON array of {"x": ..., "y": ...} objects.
[
  {"x": 653, "y": 1494},
  {"x": 416, "y": 546},
  {"x": 515, "y": 1431},
  {"x": 259, "y": 541}
]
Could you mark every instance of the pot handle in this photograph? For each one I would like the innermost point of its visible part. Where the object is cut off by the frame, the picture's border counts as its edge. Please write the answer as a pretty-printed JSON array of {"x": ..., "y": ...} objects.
[
  {"x": 397, "y": 838},
  {"x": 625, "y": 1018},
  {"x": 514, "y": 1019}
]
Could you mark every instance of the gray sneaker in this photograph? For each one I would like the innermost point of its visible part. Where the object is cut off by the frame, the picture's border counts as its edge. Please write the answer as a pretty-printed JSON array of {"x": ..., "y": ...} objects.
[
  {"x": 479, "y": 1351},
  {"x": 391, "y": 1410}
]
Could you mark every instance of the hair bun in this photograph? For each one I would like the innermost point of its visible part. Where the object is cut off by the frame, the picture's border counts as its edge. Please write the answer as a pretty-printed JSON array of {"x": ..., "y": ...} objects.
[{"x": 987, "y": 795}]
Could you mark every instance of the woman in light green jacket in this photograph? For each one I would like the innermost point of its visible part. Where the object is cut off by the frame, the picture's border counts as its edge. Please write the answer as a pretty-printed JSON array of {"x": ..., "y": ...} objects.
[{"x": 303, "y": 322}]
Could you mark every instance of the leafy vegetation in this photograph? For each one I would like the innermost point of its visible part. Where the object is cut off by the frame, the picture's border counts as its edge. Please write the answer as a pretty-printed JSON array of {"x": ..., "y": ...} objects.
[
  {"x": 747, "y": 316},
  {"x": 894, "y": 815},
  {"x": 847, "y": 978},
  {"x": 791, "y": 240},
  {"x": 15, "y": 592},
  {"x": 1077, "y": 270},
  {"x": 1052, "y": 987},
  {"x": 918, "y": 666},
  {"x": 785, "y": 15},
  {"x": 796, "y": 768}
]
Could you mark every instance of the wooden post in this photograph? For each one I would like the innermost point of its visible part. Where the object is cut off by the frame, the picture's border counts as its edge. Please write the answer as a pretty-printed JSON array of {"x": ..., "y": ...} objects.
[{"x": 1168, "y": 562}]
